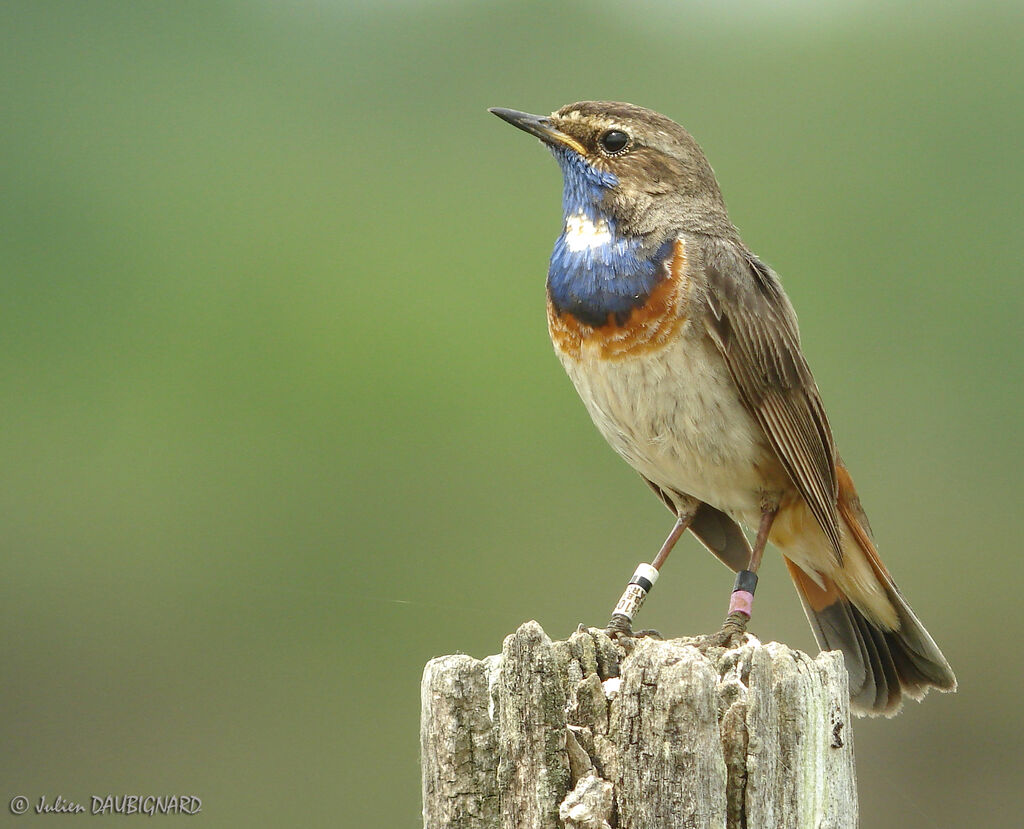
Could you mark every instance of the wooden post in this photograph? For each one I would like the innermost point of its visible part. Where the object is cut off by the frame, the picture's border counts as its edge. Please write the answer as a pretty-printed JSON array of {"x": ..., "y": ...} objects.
[{"x": 576, "y": 734}]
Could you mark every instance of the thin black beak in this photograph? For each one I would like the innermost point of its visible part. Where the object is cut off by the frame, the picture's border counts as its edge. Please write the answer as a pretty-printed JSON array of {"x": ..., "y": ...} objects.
[{"x": 540, "y": 126}]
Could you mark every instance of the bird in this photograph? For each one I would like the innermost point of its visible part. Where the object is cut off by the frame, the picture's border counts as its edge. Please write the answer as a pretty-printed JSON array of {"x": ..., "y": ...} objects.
[{"x": 685, "y": 351}]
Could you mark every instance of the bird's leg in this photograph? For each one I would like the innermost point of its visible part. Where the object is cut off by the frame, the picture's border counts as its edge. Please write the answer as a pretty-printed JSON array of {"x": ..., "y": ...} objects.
[
  {"x": 621, "y": 625},
  {"x": 742, "y": 601}
]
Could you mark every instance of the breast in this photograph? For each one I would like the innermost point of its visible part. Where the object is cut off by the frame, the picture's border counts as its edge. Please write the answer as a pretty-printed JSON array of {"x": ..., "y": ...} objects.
[
  {"x": 661, "y": 395},
  {"x": 649, "y": 326},
  {"x": 598, "y": 274}
]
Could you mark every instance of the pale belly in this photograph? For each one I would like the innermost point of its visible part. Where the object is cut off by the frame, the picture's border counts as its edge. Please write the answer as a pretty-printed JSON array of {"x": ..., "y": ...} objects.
[{"x": 675, "y": 415}]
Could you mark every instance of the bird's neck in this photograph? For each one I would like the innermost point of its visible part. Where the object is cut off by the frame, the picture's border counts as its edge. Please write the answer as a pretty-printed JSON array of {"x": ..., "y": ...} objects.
[{"x": 598, "y": 274}]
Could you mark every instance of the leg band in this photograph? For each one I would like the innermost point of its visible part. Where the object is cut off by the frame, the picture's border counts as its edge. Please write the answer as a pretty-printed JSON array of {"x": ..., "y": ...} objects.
[
  {"x": 745, "y": 580},
  {"x": 742, "y": 600},
  {"x": 636, "y": 591}
]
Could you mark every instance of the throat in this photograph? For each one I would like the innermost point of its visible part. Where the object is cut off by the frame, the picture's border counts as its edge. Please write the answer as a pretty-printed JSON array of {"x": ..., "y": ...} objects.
[{"x": 599, "y": 276}]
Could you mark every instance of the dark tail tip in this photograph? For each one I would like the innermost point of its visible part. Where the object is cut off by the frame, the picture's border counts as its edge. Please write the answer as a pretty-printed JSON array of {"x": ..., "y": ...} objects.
[{"x": 884, "y": 666}]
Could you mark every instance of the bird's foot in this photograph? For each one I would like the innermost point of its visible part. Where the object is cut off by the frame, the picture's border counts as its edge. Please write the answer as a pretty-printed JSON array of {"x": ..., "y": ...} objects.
[
  {"x": 730, "y": 636},
  {"x": 620, "y": 631}
]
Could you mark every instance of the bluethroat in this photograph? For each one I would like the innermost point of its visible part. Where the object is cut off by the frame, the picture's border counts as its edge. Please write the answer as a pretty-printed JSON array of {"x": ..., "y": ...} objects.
[{"x": 685, "y": 351}]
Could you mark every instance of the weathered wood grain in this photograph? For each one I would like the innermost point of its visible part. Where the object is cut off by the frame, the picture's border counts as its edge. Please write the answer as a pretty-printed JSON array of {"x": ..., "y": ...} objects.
[{"x": 578, "y": 734}]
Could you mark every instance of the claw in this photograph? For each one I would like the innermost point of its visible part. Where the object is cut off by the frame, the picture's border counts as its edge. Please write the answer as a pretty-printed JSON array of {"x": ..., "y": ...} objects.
[
  {"x": 730, "y": 636},
  {"x": 619, "y": 635},
  {"x": 620, "y": 631}
]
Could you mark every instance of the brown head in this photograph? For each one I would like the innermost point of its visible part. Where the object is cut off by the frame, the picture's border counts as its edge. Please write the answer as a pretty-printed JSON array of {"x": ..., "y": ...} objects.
[{"x": 632, "y": 165}]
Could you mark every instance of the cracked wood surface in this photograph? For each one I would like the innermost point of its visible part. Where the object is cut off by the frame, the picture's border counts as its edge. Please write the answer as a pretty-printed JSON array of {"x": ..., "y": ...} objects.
[{"x": 578, "y": 734}]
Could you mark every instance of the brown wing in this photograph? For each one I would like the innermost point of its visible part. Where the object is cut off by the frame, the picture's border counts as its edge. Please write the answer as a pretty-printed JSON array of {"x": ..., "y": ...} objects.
[{"x": 754, "y": 326}]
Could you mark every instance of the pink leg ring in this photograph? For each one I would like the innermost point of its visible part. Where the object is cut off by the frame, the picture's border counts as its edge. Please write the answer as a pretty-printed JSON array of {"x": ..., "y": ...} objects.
[{"x": 742, "y": 602}]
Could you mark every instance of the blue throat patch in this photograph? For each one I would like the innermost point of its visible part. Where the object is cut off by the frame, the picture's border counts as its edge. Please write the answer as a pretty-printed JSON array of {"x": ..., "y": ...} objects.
[{"x": 611, "y": 276}]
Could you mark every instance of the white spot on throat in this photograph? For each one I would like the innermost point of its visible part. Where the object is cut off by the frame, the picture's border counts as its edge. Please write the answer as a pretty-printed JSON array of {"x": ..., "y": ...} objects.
[{"x": 581, "y": 233}]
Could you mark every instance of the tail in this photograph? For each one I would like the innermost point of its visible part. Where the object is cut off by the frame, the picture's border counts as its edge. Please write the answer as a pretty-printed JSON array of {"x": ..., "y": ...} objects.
[{"x": 855, "y": 607}]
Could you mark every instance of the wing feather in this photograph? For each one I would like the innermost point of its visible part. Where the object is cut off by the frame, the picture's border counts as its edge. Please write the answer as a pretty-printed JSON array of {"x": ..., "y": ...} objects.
[{"x": 754, "y": 327}]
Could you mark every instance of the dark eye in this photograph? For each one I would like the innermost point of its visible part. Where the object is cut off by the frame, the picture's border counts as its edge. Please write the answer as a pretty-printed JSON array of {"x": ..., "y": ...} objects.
[{"x": 614, "y": 141}]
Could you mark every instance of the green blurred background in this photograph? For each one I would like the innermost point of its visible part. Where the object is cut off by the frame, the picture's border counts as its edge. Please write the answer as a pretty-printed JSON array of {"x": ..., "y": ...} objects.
[{"x": 282, "y": 422}]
